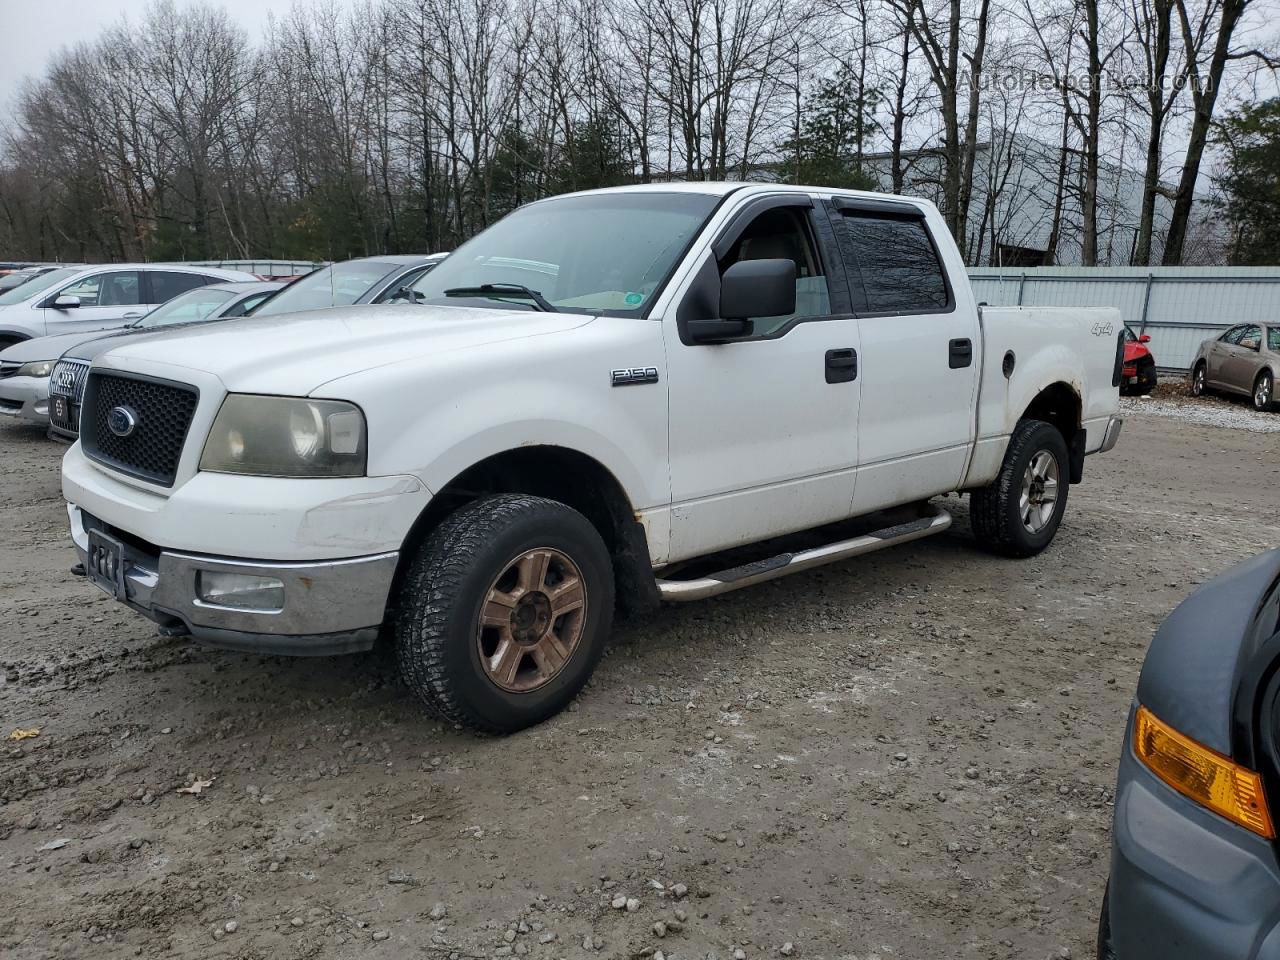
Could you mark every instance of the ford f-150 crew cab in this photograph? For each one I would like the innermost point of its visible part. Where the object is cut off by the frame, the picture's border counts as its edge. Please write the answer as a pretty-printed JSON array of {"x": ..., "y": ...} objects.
[{"x": 605, "y": 400}]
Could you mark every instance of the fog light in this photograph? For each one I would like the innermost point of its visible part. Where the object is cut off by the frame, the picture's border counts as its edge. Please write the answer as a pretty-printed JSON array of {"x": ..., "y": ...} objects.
[{"x": 240, "y": 590}]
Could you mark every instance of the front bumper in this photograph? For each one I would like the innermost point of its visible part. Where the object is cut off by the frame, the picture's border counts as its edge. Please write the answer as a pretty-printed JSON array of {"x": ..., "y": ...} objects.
[
  {"x": 1185, "y": 883},
  {"x": 25, "y": 398},
  {"x": 329, "y": 607}
]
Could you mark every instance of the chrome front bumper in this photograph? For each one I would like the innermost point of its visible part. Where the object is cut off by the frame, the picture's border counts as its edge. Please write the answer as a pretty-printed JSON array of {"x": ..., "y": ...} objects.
[
  {"x": 25, "y": 398},
  {"x": 330, "y": 607}
]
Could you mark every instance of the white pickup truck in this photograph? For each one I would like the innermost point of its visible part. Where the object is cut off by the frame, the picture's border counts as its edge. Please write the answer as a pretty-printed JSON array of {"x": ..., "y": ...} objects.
[{"x": 605, "y": 400}]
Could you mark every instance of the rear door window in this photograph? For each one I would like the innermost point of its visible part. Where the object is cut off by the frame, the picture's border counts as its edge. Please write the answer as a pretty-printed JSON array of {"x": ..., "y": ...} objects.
[
  {"x": 892, "y": 263},
  {"x": 167, "y": 284},
  {"x": 1273, "y": 338}
]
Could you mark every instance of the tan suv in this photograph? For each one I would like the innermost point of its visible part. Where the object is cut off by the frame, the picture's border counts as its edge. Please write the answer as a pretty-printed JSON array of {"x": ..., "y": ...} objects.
[{"x": 1244, "y": 360}]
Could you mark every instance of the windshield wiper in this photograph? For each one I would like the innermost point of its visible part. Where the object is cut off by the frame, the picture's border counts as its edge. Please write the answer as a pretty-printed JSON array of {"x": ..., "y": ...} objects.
[{"x": 503, "y": 290}]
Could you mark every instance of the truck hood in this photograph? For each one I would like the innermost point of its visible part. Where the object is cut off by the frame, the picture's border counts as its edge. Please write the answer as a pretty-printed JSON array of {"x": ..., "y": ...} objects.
[
  {"x": 296, "y": 354},
  {"x": 51, "y": 348}
]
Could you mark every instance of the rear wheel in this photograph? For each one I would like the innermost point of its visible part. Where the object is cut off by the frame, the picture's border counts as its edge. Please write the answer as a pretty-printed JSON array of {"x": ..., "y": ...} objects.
[
  {"x": 1019, "y": 513},
  {"x": 1199, "y": 380},
  {"x": 1264, "y": 391},
  {"x": 504, "y": 612}
]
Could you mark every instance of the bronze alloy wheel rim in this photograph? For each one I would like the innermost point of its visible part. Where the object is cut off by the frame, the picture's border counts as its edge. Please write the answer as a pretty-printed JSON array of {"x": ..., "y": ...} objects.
[{"x": 532, "y": 620}]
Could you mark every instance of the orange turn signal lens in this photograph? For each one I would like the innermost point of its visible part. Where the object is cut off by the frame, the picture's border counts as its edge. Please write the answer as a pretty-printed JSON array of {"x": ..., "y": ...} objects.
[{"x": 1207, "y": 777}]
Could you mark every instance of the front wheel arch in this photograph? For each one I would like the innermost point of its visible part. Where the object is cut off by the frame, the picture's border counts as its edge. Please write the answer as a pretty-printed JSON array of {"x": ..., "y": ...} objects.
[{"x": 566, "y": 476}]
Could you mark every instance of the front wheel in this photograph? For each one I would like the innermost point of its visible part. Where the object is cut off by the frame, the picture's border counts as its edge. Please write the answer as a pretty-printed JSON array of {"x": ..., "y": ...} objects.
[
  {"x": 1019, "y": 513},
  {"x": 1199, "y": 380},
  {"x": 504, "y": 612},
  {"x": 1264, "y": 391}
]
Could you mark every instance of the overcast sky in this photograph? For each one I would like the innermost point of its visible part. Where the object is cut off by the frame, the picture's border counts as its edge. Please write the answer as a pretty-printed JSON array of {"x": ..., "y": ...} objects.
[{"x": 31, "y": 31}]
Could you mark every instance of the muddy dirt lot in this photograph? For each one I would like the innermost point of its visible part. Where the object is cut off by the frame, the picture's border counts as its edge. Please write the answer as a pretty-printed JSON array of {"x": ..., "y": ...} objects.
[{"x": 907, "y": 756}]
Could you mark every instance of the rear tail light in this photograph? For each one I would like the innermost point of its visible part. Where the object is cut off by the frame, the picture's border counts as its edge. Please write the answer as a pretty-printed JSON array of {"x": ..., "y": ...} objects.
[
  {"x": 1115, "y": 372},
  {"x": 1203, "y": 775}
]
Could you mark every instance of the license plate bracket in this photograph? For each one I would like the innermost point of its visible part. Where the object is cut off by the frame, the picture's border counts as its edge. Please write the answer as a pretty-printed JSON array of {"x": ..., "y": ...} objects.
[{"x": 104, "y": 564}]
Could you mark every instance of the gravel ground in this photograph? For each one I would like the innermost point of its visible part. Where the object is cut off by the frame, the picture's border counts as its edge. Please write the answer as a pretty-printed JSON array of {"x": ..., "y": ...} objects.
[
  {"x": 1208, "y": 411},
  {"x": 907, "y": 756}
]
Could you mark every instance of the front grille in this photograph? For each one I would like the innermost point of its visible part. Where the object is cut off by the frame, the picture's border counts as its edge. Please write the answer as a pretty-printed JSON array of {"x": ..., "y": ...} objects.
[
  {"x": 8, "y": 369},
  {"x": 67, "y": 381},
  {"x": 161, "y": 411}
]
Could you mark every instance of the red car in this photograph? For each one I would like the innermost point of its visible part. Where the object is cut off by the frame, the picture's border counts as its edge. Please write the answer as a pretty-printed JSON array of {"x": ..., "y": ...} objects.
[{"x": 1139, "y": 373}]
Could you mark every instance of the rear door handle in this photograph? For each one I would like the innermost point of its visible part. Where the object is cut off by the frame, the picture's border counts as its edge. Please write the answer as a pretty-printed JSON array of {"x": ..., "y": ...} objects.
[
  {"x": 842, "y": 365},
  {"x": 960, "y": 353}
]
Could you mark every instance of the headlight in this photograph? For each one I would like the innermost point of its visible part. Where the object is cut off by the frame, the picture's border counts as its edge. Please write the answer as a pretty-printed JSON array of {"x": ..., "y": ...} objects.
[
  {"x": 39, "y": 368},
  {"x": 286, "y": 437}
]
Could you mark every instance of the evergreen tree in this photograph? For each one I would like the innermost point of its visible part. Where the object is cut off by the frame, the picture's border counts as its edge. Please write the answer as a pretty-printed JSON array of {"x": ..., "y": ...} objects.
[
  {"x": 835, "y": 127},
  {"x": 1251, "y": 182}
]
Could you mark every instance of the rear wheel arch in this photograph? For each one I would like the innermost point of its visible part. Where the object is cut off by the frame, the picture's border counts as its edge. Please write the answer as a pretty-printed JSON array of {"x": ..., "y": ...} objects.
[
  {"x": 1059, "y": 404},
  {"x": 1269, "y": 374},
  {"x": 566, "y": 476}
]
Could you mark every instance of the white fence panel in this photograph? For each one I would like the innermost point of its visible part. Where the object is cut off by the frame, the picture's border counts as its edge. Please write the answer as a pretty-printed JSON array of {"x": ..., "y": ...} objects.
[{"x": 1178, "y": 307}]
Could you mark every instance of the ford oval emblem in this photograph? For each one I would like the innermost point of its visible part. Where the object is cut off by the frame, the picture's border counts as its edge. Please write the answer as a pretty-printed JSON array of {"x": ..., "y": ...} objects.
[{"x": 122, "y": 421}]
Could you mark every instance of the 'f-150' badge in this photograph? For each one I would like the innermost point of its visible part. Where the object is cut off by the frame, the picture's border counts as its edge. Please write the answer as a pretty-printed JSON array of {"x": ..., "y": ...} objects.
[{"x": 633, "y": 376}]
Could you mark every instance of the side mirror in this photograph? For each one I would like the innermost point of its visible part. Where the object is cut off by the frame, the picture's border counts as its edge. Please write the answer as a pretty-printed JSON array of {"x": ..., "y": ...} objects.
[
  {"x": 1145, "y": 338},
  {"x": 758, "y": 288},
  {"x": 66, "y": 302}
]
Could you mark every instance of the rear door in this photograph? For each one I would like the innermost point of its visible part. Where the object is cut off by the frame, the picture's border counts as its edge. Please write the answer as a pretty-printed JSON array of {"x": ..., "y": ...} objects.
[{"x": 919, "y": 348}]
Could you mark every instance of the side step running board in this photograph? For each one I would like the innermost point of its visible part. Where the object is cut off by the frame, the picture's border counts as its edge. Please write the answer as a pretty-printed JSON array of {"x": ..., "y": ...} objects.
[{"x": 761, "y": 570}]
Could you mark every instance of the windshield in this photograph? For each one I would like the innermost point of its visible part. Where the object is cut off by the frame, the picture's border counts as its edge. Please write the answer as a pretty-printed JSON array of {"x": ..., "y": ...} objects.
[
  {"x": 190, "y": 307},
  {"x": 35, "y": 285},
  {"x": 605, "y": 253},
  {"x": 335, "y": 286}
]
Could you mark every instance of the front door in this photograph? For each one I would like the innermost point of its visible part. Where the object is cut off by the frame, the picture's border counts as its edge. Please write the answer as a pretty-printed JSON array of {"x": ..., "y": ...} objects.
[
  {"x": 107, "y": 299},
  {"x": 763, "y": 430},
  {"x": 1241, "y": 361},
  {"x": 1218, "y": 352}
]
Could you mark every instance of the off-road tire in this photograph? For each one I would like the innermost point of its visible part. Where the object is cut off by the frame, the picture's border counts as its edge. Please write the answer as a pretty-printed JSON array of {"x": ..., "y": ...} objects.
[
  {"x": 993, "y": 510},
  {"x": 1270, "y": 403},
  {"x": 445, "y": 586}
]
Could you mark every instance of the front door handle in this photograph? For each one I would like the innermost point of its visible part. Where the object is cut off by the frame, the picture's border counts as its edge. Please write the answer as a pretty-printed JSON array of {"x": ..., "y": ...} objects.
[
  {"x": 842, "y": 365},
  {"x": 960, "y": 353}
]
